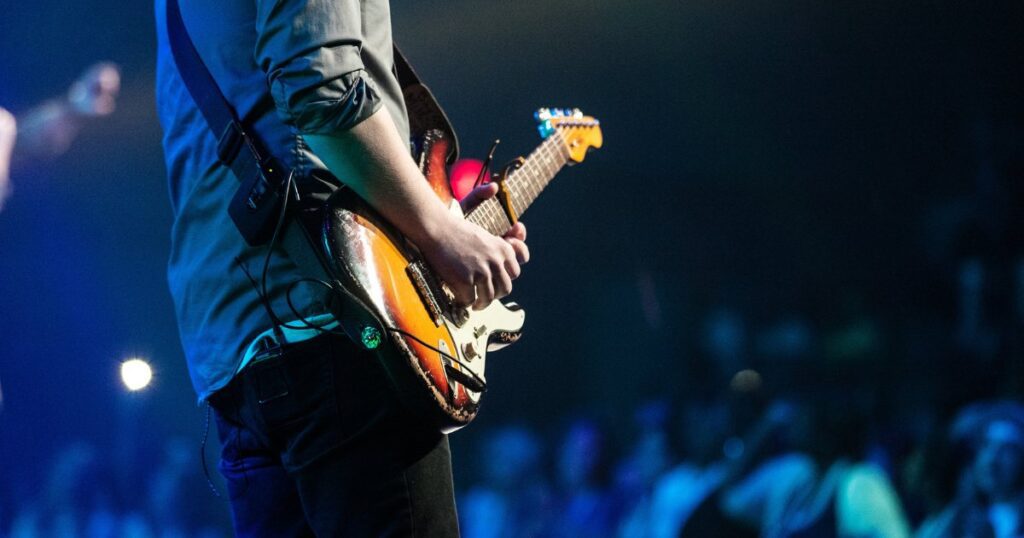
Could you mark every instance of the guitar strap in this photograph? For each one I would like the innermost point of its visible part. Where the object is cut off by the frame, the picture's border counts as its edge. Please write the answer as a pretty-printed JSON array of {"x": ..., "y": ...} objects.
[{"x": 256, "y": 206}]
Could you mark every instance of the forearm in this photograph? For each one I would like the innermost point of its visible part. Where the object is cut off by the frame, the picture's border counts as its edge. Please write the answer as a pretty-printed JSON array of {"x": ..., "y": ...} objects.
[
  {"x": 373, "y": 160},
  {"x": 48, "y": 129}
]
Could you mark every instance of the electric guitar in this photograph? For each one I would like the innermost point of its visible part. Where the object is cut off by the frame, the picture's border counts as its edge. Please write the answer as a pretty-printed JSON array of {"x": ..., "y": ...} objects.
[{"x": 434, "y": 350}]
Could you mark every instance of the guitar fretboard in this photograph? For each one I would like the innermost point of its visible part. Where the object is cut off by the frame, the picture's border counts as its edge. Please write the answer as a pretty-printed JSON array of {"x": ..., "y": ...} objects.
[{"x": 524, "y": 184}]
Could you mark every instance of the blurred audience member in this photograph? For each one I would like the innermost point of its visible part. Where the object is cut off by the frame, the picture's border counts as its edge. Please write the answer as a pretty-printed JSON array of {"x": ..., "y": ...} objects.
[
  {"x": 583, "y": 506},
  {"x": 60, "y": 508},
  {"x": 48, "y": 129},
  {"x": 990, "y": 500},
  {"x": 822, "y": 488},
  {"x": 645, "y": 461},
  {"x": 705, "y": 428},
  {"x": 974, "y": 333},
  {"x": 744, "y": 481},
  {"x": 514, "y": 498},
  {"x": 168, "y": 505},
  {"x": 724, "y": 342}
]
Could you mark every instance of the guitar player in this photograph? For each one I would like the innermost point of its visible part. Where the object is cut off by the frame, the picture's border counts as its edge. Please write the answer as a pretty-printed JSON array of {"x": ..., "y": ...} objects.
[{"x": 314, "y": 440}]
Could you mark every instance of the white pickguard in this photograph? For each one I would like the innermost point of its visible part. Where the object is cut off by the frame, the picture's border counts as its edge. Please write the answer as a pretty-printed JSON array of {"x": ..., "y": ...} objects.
[{"x": 473, "y": 335}]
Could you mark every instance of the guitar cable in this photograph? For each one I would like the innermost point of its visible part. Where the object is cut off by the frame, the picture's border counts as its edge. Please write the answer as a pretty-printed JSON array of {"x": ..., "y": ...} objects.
[
  {"x": 304, "y": 320},
  {"x": 481, "y": 383},
  {"x": 202, "y": 452}
]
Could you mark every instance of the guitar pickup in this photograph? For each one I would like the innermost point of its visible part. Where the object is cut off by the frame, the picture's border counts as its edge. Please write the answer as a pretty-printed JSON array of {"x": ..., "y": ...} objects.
[
  {"x": 418, "y": 275},
  {"x": 429, "y": 290}
]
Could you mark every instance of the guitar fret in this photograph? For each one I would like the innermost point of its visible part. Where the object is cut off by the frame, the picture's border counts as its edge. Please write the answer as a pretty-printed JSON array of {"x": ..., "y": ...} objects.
[
  {"x": 538, "y": 172},
  {"x": 494, "y": 218},
  {"x": 547, "y": 166},
  {"x": 524, "y": 184},
  {"x": 533, "y": 178}
]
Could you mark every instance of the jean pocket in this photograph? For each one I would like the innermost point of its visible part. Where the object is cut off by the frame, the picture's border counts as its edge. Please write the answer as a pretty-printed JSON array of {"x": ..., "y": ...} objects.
[
  {"x": 290, "y": 385},
  {"x": 297, "y": 402}
]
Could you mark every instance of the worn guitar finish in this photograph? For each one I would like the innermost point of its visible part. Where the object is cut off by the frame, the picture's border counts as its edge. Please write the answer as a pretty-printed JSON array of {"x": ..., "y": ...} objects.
[{"x": 433, "y": 350}]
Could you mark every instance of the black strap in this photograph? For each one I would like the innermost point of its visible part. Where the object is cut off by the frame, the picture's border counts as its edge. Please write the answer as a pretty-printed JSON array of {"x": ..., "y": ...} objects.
[
  {"x": 256, "y": 204},
  {"x": 425, "y": 113},
  {"x": 219, "y": 114},
  {"x": 404, "y": 72}
]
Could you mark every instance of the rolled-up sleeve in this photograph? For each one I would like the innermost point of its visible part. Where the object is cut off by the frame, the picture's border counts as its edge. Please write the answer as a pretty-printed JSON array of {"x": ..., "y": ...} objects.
[{"x": 310, "y": 51}]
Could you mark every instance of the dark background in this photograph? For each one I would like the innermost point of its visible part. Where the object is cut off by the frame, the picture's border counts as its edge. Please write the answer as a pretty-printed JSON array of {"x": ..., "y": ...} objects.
[{"x": 816, "y": 168}]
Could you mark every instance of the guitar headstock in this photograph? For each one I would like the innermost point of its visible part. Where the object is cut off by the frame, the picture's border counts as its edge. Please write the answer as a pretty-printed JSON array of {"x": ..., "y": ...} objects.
[{"x": 579, "y": 133}]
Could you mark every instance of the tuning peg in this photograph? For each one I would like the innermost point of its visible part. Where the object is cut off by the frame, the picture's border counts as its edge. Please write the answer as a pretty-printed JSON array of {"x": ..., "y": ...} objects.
[
  {"x": 545, "y": 128},
  {"x": 542, "y": 114},
  {"x": 577, "y": 113}
]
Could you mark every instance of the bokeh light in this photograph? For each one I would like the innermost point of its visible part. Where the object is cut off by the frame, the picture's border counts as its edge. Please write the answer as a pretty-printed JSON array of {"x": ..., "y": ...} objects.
[
  {"x": 463, "y": 176},
  {"x": 136, "y": 374}
]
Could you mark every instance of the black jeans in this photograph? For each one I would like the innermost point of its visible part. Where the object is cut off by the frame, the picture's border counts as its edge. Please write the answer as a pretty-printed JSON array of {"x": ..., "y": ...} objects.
[{"x": 315, "y": 442}]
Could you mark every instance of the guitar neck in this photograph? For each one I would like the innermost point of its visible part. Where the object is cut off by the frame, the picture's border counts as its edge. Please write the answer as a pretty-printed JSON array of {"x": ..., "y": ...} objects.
[{"x": 524, "y": 184}]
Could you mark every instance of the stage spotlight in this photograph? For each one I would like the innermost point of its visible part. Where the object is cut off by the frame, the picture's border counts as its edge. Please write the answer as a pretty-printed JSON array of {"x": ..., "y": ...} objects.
[{"x": 136, "y": 374}]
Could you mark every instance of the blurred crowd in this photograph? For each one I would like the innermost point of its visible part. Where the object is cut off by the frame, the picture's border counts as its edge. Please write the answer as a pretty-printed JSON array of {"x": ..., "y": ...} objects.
[
  {"x": 799, "y": 469},
  {"x": 706, "y": 468},
  {"x": 696, "y": 468},
  {"x": 92, "y": 492}
]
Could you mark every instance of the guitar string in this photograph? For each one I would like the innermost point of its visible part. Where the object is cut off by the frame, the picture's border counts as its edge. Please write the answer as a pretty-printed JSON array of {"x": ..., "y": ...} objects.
[
  {"x": 545, "y": 168},
  {"x": 491, "y": 211},
  {"x": 539, "y": 168}
]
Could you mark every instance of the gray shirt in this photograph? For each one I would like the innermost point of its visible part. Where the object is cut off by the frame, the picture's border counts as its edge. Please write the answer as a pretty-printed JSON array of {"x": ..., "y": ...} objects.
[{"x": 328, "y": 65}]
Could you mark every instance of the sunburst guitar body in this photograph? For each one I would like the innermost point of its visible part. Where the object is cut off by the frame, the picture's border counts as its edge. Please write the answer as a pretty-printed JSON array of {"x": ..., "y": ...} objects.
[{"x": 434, "y": 351}]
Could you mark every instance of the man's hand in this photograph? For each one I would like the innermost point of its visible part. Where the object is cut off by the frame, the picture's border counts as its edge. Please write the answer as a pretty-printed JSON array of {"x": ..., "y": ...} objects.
[
  {"x": 516, "y": 236},
  {"x": 48, "y": 129},
  {"x": 477, "y": 266},
  {"x": 95, "y": 92}
]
